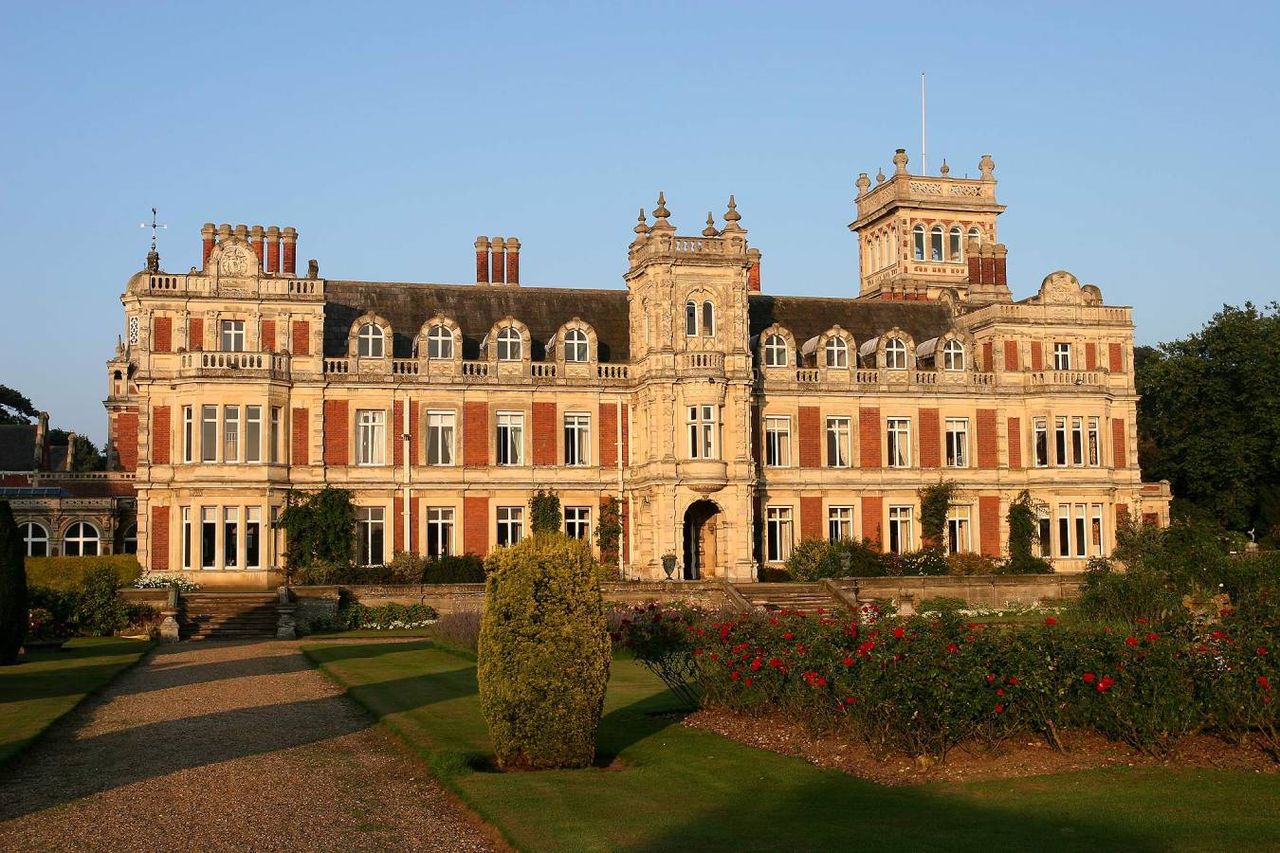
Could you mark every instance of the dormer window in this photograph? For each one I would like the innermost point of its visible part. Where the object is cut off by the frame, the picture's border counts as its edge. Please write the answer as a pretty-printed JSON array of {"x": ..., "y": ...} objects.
[
  {"x": 233, "y": 335},
  {"x": 370, "y": 342},
  {"x": 917, "y": 235},
  {"x": 935, "y": 243},
  {"x": 691, "y": 319},
  {"x": 775, "y": 351},
  {"x": 953, "y": 355},
  {"x": 510, "y": 345},
  {"x": 956, "y": 239},
  {"x": 895, "y": 354},
  {"x": 440, "y": 342},
  {"x": 575, "y": 345},
  {"x": 837, "y": 353},
  {"x": 1062, "y": 356},
  {"x": 708, "y": 319}
]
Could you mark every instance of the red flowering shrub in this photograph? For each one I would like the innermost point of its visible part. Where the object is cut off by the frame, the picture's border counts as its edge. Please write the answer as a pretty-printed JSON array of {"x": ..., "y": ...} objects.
[{"x": 1243, "y": 677}]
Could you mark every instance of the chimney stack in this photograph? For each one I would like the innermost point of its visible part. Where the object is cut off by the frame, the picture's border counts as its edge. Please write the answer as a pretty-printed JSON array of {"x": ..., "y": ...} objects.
[
  {"x": 207, "y": 231},
  {"x": 242, "y": 231},
  {"x": 482, "y": 260},
  {"x": 513, "y": 260},
  {"x": 256, "y": 238},
  {"x": 498, "y": 261},
  {"x": 273, "y": 249},
  {"x": 753, "y": 272},
  {"x": 290, "y": 236}
]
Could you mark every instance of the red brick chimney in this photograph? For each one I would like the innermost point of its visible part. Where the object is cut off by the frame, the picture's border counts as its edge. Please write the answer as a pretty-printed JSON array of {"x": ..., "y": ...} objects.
[
  {"x": 273, "y": 249},
  {"x": 1001, "y": 277},
  {"x": 207, "y": 231},
  {"x": 290, "y": 237},
  {"x": 753, "y": 272},
  {"x": 513, "y": 260},
  {"x": 482, "y": 260},
  {"x": 257, "y": 238},
  {"x": 975, "y": 263},
  {"x": 498, "y": 261}
]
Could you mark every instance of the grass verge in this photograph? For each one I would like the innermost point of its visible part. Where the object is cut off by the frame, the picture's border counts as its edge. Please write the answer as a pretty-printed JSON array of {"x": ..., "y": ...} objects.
[
  {"x": 47, "y": 684},
  {"x": 663, "y": 786}
]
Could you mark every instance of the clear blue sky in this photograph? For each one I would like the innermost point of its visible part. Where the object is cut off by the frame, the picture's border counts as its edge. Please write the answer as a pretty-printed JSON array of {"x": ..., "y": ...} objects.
[{"x": 1136, "y": 144}]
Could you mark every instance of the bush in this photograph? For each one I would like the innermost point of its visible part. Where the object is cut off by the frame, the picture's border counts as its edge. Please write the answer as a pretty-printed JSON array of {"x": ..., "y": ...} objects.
[
  {"x": 100, "y": 611},
  {"x": 62, "y": 604},
  {"x": 971, "y": 563},
  {"x": 464, "y": 568},
  {"x": 543, "y": 653},
  {"x": 930, "y": 561},
  {"x": 320, "y": 527},
  {"x": 1126, "y": 597},
  {"x": 386, "y": 617},
  {"x": 815, "y": 559},
  {"x": 941, "y": 603},
  {"x": 460, "y": 628},
  {"x": 67, "y": 573},
  {"x": 406, "y": 567},
  {"x": 13, "y": 588},
  {"x": 165, "y": 580}
]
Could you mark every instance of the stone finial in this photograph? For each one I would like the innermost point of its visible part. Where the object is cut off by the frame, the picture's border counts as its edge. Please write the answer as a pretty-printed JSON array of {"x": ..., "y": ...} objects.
[
  {"x": 863, "y": 183},
  {"x": 661, "y": 215},
  {"x": 732, "y": 216},
  {"x": 986, "y": 166},
  {"x": 880, "y": 178},
  {"x": 710, "y": 230},
  {"x": 313, "y": 268},
  {"x": 945, "y": 169},
  {"x": 153, "y": 261},
  {"x": 900, "y": 161},
  {"x": 642, "y": 224}
]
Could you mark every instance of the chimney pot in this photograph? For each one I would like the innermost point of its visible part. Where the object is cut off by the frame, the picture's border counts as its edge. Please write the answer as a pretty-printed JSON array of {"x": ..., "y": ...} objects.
[
  {"x": 256, "y": 238},
  {"x": 482, "y": 260},
  {"x": 513, "y": 260},
  {"x": 207, "y": 232},
  {"x": 273, "y": 249},
  {"x": 290, "y": 262},
  {"x": 497, "y": 261}
]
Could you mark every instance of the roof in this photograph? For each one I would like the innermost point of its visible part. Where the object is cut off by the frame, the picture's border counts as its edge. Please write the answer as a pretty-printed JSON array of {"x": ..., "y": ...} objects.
[
  {"x": 475, "y": 308},
  {"x": 32, "y": 492},
  {"x": 808, "y": 316},
  {"x": 17, "y": 447}
]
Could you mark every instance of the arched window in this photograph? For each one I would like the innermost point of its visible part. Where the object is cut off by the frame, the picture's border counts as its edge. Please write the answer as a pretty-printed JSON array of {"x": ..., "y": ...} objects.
[
  {"x": 975, "y": 234},
  {"x": 510, "y": 346},
  {"x": 708, "y": 319},
  {"x": 955, "y": 250},
  {"x": 691, "y": 319},
  {"x": 129, "y": 540},
  {"x": 370, "y": 342},
  {"x": 935, "y": 243},
  {"x": 837, "y": 353},
  {"x": 895, "y": 354},
  {"x": 918, "y": 237},
  {"x": 575, "y": 345},
  {"x": 81, "y": 540},
  {"x": 36, "y": 539},
  {"x": 440, "y": 341},
  {"x": 775, "y": 351},
  {"x": 953, "y": 355}
]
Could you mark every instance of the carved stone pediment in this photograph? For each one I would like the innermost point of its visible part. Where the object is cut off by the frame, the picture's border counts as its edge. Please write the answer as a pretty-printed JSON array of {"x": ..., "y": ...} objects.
[
  {"x": 235, "y": 265},
  {"x": 1061, "y": 288}
]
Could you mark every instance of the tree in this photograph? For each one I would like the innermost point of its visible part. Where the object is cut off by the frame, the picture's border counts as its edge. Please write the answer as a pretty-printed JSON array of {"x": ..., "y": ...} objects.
[
  {"x": 542, "y": 660},
  {"x": 13, "y": 588},
  {"x": 15, "y": 408},
  {"x": 319, "y": 527},
  {"x": 1023, "y": 519},
  {"x": 1209, "y": 417},
  {"x": 935, "y": 504},
  {"x": 85, "y": 455},
  {"x": 544, "y": 511}
]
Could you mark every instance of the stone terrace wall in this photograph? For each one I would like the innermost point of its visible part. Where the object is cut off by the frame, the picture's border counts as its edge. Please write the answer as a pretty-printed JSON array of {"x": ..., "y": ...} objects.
[{"x": 976, "y": 590}]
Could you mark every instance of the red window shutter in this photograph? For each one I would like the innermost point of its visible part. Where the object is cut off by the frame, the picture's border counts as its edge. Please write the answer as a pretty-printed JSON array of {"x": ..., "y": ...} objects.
[
  {"x": 873, "y": 519},
  {"x": 811, "y": 520},
  {"x": 300, "y": 338},
  {"x": 810, "y": 437},
  {"x": 336, "y": 443},
  {"x": 869, "y": 436},
  {"x": 1119, "y": 443},
  {"x": 195, "y": 334},
  {"x": 1037, "y": 356},
  {"x": 1090, "y": 355},
  {"x": 161, "y": 436},
  {"x": 158, "y": 538},
  {"x": 475, "y": 439},
  {"x": 988, "y": 356},
  {"x": 930, "y": 439},
  {"x": 544, "y": 434},
  {"x": 1015, "y": 443},
  {"x": 1115, "y": 356},
  {"x": 268, "y": 335},
  {"x": 989, "y": 522},
  {"x": 1010, "y": 355},
  {"x": 988, "y": 447},
  {"x": 162, "y": 337},
  {"x": 300, "y": 445},
  {"x": 475, "y": 523}
]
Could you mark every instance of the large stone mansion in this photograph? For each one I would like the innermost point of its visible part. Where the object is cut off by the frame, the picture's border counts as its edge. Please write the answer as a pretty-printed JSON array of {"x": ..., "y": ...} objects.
[{"x": 728, "y": 422}]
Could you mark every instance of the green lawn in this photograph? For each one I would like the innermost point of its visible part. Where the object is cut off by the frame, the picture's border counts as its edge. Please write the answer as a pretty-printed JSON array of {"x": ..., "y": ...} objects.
[
  {"x": 47, "y": 685},
  {"x": 684, "y": 789}
]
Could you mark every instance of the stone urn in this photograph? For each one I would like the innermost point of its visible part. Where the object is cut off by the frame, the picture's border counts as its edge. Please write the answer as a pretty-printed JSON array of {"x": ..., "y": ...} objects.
[{"x": 669, "y": 565}]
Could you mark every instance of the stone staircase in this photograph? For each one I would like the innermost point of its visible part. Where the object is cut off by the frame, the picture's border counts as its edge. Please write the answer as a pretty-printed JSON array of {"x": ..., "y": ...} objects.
[
  {"x": 229, "y": 616},
  {"x": 807, "y": 598}
]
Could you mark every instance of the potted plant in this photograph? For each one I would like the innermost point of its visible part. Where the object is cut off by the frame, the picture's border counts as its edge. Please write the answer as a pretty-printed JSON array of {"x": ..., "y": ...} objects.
[
  {"x": 669, "y": 565},
  {"x": 44, "y": 630}
]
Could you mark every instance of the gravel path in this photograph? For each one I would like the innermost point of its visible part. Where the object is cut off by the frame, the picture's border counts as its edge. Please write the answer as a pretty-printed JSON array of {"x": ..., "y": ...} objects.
[{"x": 225, "y": 746}]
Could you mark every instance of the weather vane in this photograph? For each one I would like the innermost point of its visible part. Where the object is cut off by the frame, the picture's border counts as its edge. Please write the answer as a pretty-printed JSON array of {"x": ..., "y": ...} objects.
[{"x": 153, "y": 257}]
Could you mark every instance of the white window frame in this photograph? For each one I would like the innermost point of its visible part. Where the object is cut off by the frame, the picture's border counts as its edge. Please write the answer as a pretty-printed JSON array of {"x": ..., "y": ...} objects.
[
  {"x": 953, "y": 356},
  {"x": 918, "y": 243},
  {"x": 898, "y": 442},
  {"x": 775, "y": 351},
  {"x": 509, "y": 438},
  {"x": 230, "y": 434},
  {"x": 252, "y": 442},
  {"x": 955, "y": 244},
  {"x": 277, "y": 433},
  {"x": 703, "y": 424},
  {"x": 510, "y": 526},
  {"x": 576, "y": 347},
  {"x": 186, "y": 538},
  {"x": 1061, "y": 355},
  {"x": 577, "y": 522},
  {"x": 439, "y": 531},
  {"x": 30, "y": 539},
  {"x": 708, "y": 319},
  {"x": 937, "y": 245},
  {"x": 901, "y": 524},
  {"x": 779, "y": 534},
  {"x": 1040, "y": 442},
  {"x": 777, "y": 441},
  {"x": 208, "y": 537},
  {"x": 1077, "y": 441},
  {"x": 188, "y": 434},
  {"x": 895, "y": 354},
  {"x": 231, "y": 335},
  {"x": 209, "y": 434},
  {"x": 371, "y": 528},
  {"x": 371, "y": 437},
  {"x": 959, "y": 529},
  {"x": 440, "y": 342},
  {"x": 253, "y": 538},
  {"x": 577, "y": 439},
  {"x": 956, "y": 443},
  {"x": 839, "y": 441},
  {"x": 1094, "y": 445},
  {"x": 441, "y": 433},
  {"x": 371, "y": 341},
  {"x": 510, "y": 344},
  {"x": 231, "y": 537},
  {"x": 86, "y": 536},
  {"x": 837, "y": 351},
  {"x": 839, "y": 523},
  {"x": 1061, "y": 455},
  {"x": 691, "y": 319}
]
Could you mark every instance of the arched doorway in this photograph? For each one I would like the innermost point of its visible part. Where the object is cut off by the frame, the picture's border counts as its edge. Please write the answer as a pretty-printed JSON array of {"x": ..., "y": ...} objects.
[{"x": 700, "y": 523}]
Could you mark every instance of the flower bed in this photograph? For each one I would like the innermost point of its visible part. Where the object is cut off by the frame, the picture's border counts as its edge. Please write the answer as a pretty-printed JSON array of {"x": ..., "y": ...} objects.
[
  {"x": 920, "y": 686},
  {"x": 388, "y": 617},
  {"x": 164, "y": 580}
]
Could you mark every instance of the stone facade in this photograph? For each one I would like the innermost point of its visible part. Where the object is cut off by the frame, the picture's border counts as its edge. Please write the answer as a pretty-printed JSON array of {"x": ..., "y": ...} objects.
[{"x": 728, "y": 421}]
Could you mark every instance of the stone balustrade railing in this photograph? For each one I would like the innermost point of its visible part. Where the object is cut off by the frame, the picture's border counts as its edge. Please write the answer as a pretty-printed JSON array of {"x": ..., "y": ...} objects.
[{"x": 216, "y": 363}]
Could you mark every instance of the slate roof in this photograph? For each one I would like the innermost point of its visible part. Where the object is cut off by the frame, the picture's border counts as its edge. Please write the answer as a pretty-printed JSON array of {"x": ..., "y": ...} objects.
[
  {"x": 475, "y": 309},
  {"x": 17, "y": 447},
  {"x": 808, "y": 316}
]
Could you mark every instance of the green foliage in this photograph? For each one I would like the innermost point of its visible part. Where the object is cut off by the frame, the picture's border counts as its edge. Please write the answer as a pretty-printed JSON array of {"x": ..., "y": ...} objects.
[
  {"x": 543, "y": 653},
  {"x": 941, "y": 603},
  {"x": 935, "y": 503},
  {"x": 406, "y": 567},
  {"x": 455, "y": 568},
  {"x": 15, "y": 407},
  {"x": 100, "y": 611},
  {"x": 85, "y": 455},
  {"x": 971, "y": 563},
  {"x": 930, "y": 560},
  {"x": 815, "y": 559},
  {"x": 67, "y": 573},
  {"x": 609, "y": 530},
  {"x": 386, "y": 617},
  {"x": 13, "y": 587},
  {"x": 1024, "y": 535},
  {"x": 662, "y": 638},
  {"x": 1209, "y": 417},
  {"x": 544, "y": 512},
  {"x": 320, "y": 527}
]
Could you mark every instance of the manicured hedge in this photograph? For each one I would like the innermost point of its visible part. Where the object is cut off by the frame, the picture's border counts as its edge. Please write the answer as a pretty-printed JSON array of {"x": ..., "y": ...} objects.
[{"x": 67, "y": 573}]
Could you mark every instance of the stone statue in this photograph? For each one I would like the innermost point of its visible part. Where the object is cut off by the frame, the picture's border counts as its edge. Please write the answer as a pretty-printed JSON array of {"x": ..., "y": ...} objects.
[{"x": 313, "y": 268}]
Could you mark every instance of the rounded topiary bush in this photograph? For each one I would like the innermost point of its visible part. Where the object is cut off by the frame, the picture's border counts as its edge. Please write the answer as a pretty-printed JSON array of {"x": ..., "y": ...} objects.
[{"x": 543, "y": 654}]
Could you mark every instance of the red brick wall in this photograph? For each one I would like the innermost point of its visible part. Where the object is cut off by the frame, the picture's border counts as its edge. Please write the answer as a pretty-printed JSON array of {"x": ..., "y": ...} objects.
[
  {"x": 623, "y": 410},
  {"x": 1010, "y": 355},
  {"x": 812, "y": 524},
  {"x": 608, "y": 438},
  {"x": 1037, "y": 356},
  {"x": 544, "y": 434},
  {"x": 810, "y": 437},
  {"x": 930, "y": 439},
  {"x": 1115, "y": 357},
  {"x": 300, "y": 338},
  {"x": 988, "y": 449},
  {"x": 475, "y": 440},
  {"x": 989, "y": 524},
  {"x": 127, "y": 440},
  {"x": 158, "y": 536},
  {"x": 1119, "y": 443},
  {"x": 988, "y": 357},
  {"x": 195, "y": 333},
  {"x": 268, "y": 336},
  {"x": 161, "y": 435},
  {"x": 397, "y": 430},
  {"x": 337, "y": 450},
  {"x": 162, "y": 336},
  {"x": 1015, "y": 442},
  {"x": 1151, "y": 519},
  {"x": 869, "y": 436},
  {"x": 300, "y": 452},
  {"x": 1122, "y": 515},
  {"x": 1090, "y": 355},
  {"x": 872, "y": 519},
  {"x": 398, "y": 510},
  {"x": 475, "y": 523}
]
